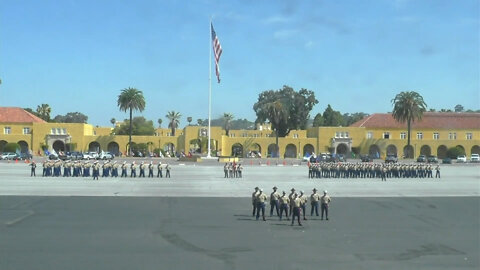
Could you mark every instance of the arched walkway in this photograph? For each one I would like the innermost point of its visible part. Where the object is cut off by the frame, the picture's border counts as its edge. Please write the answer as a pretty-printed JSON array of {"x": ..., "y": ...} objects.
[
  {"x": 59, "y": 146},
  {"x": 170, "y": 148},
  {"x": 308, "y": 149},
  {"x": 290, "y": 151},
  {"x": 195, "y": 146},
  {"x": 255, "y": 150},
  {"x": 113, "y": 148},
  {"x": 272, "y": 150},
  {"x": 23, "y": 146},
  {"x": 425, "y": 150},
  {"x": 342, "y": 149},
  {"x": 475, "y": 149},
  {"x": 2, "y": 145},
  {"x": 408, "y": 151},
  {"x": 442, "y": 152},
  {"x": 374, "y": 151},
  {"x": 392, "y": 150},
  {"x": 237, "y": 150},
  {"x": 461, "y": 147},
  {"x": 94, "y": 147}
]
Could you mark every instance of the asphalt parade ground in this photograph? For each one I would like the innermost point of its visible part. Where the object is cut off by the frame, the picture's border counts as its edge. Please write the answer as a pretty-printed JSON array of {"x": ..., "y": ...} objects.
[{"x": 199, "y": 220}]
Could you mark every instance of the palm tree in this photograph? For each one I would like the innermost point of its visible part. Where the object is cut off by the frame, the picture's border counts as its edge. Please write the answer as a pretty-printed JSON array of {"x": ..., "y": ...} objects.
[
  {"x": 113, "y": 121},
  {"x": 227, "y": 117},
  {"x": 131, "y": 99},
  {"x": 160, "y": 121},
  {"x": 44, "y": 111},
  {"x": 277, "y": 114},
  {"x": 199, "y": 122},
  {"x": 408, "y": 107},
  {"x": 174, "y": 118},
  {"x": 189, "y": 120}
]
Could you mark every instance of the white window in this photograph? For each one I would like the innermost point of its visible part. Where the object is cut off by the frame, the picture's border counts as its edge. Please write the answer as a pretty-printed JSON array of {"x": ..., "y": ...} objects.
[
  {"x": 295, "y": 136},
  {"x": 64, "y": 130},
  {"x": 347, "y": 135},
  {"x": 59, "y": 131},
  {"x": 452, "y": 136},
  {"x": 7, "y": 130},
  {"x": 469, "y": 136},
  {"x": 369, "y": 135},
  {"x": 403, "y": 135},
  {"x": 419, "y": 135},
  {"x": 386, "y": 135},
  {"x": 53, "y": 131},
  {"x": 436, "y": 136},
  {"x": 26, "y": 130},
  {"x": 232, "y": 135}
]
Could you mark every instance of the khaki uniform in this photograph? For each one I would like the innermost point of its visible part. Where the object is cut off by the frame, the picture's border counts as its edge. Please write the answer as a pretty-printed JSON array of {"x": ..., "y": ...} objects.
[{"x": 325, "y": 200}]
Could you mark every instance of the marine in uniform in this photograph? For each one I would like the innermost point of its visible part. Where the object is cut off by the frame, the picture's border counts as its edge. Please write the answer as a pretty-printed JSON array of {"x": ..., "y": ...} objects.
[
  {"x": 225, "y": 170},
  {"x": 303, "y": 205},
  {"x": 124, "y": 169},
  {"x": 159, "y": 169},
  {"x": 254, "y": 201},
  {"x": 142, "y": 170},
  {"x": 284, "y": 202},
  {"x": 133, "y": 170},
  {"x": 150, "y": 169},
  {"x": 274, "y": 196},
  {"x": 261, "y": 199},
  {"x": 33, "y": 166},
  {"x": 314, "y": 199},
  {"x": 167, "y": 171},
  {"x": 437, "y": 173},
  {"x": 291, "y": 197},
  {"x": 325, "y": 201},
  {"x": 96, "y": 170},
  {"x": 297, "y": 203}
]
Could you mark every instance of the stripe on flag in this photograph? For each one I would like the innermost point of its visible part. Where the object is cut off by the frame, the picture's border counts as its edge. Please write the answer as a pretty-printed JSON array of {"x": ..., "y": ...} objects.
[{"x": 217, "y": 50}]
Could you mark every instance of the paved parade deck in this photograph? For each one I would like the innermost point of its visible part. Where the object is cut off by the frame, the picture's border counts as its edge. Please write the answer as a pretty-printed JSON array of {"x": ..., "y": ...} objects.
[{"x": 199, "y": 220}]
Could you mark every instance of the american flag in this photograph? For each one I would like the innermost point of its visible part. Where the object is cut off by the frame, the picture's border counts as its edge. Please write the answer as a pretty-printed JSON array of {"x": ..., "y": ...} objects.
[{"x": 217, "y": 50}]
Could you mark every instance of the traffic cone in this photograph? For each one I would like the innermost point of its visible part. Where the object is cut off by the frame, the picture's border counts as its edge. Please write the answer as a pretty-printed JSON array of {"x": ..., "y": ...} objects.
[
  {"x": 16, "y": 160},
  {"x": 284, "y": 163}
]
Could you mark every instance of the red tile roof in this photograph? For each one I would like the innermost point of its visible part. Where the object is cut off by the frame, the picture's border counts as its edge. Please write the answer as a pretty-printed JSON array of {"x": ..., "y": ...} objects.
[
  {"x": 430, "y": 120},
  {"x": 17, "y": 115}
]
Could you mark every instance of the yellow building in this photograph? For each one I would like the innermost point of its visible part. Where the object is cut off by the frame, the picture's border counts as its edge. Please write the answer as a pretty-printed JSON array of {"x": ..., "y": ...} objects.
[{"x": 377, "y": 134}]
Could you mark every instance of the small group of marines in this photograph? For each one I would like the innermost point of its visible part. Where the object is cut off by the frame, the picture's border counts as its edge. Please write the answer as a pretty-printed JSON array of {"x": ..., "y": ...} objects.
[
  {"x": 232, "y": 170},
  {"x": 371, "y": 170},
  {"x": 68, "y": 168},
  {"x": 293, "y": 204}
]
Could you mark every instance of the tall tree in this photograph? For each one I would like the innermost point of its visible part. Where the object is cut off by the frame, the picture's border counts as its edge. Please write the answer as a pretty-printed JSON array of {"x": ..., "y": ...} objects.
[
  {"x": 227, "y": 118},
  {"x": 296, "y": 106},
  {"x": 459, "y": 108},
  {"x": 408, "y": 107},
  {"x": 159, "y": 121},
  {"x": 200, "y": 122},
  {"x": 140, "y": 126},
  {"x": 318, "y": 120},
  {"x": 332, "y": 118},
  {"x": 278, "y": 114},
  {"x": 131, "y": 99},
  {"x": 44, "y": 111},
  {"x": 174, "y": 120},
  {"x": 113, "y": 121},
  {"x": 189, "y": 120},
  {"x": 71, "y": 117}
]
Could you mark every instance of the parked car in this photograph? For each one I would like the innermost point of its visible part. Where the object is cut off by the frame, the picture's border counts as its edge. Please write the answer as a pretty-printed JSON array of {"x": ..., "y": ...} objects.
[
  {"x": 75, "y": 155},
  {"x": 475, "y": 158},
  {"x": 366, "y": 158},
  {"x": 422, "y": 158},
  {"x": 432, "y": 159},
  {"x": 461, "y": 159},
  {"x": 391, "y": 159},
  {"x": 105, "y": 155},
  {"x": 447, "y": 160},
  {"x": 25, "y": 156},
  {"x": 9, "y": 156},
  {"x": 57, "y": 156}
]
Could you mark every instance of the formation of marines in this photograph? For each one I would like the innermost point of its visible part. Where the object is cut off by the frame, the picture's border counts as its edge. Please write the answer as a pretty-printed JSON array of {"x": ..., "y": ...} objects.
[
  {"x": 232, "y": 170},
  {"x": 293, "y": 204},
  {"x": 371, "y": 170},
  {"x": 57, "y": 168}
]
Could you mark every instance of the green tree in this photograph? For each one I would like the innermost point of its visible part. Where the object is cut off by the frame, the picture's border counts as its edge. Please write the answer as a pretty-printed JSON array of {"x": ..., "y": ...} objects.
[
  {"x": 159, "y": 121},
  {"x": 189, "y": 120},
  {"x": 408, "y": 107},
  {"x": 295, "y": 105},
  {"x": 113, "y": 121},
  {"x": 454, "y": 152},
  {"x": 318, "y": 121},
  {"x": 44, "y": 111},
  {"x": 332, "y": 118},
  {"x": 131, "y": 99},
  {"x": 227, "y": 118},
  {"x": 200, "y": 122},
  {"x": 349, "y": 119},
  {"x": 71, "y": 117},
  {"x": 459, "y": 108},
  {"x": 140, "y": 126},
  {"x": 174, "y": 120},
  {"x": 11, "y": 147}
]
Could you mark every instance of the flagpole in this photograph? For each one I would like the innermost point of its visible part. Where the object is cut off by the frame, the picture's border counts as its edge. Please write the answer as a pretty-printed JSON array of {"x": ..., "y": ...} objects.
[{"x": 209, "y": 88}]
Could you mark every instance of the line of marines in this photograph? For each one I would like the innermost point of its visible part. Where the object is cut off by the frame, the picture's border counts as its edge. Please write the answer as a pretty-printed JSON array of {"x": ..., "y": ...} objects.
[
  {"x": 232, "y": 170},
  {"x": 96, "y": 169},
  {"x": 371, "y": 170},
  {"x": 293, "y": 204}
]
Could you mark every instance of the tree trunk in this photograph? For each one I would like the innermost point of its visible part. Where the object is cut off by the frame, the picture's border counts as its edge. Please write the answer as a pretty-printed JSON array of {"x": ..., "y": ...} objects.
[
  {"x": 130, "y": 135},
  {"x": 408, "y": 136},
  {"x": 276, "y": 143}
]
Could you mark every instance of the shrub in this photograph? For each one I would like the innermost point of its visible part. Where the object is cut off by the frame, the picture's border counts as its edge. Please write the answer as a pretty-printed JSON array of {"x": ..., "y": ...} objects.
[
  {"x": 11, "y": 147},
  {"x": 454, "y": 152}
]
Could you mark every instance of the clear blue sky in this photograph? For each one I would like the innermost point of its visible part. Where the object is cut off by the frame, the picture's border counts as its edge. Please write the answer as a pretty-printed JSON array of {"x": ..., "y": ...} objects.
[{"x": 355, "y": 55}]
